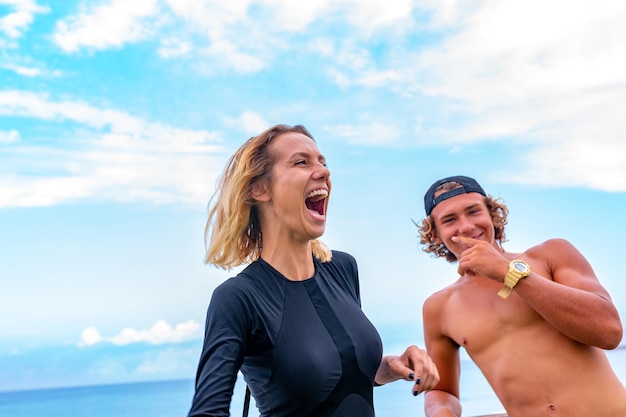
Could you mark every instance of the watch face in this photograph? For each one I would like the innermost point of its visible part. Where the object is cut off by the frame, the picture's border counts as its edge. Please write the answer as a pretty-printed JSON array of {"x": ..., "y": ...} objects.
[{"x": 521, "y": 267}]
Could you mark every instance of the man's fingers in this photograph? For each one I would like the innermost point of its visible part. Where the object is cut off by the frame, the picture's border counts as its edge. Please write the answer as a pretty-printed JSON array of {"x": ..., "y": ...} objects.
[{"x": 467, "y": 241}]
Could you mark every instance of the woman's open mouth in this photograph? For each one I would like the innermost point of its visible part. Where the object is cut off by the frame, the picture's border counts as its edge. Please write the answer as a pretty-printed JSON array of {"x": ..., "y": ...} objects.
[{"x": 316, "y": 201}]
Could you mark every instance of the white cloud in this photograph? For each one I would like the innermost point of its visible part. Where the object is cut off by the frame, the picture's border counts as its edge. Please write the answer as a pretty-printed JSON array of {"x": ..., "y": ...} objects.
[
  {"x": 174, "y": 47},
  {"x": 107, "y": 25},
  {"x": 112, "y": 156},
  {"x": 503, "y": 71},
  {"x": 25, "y": 67},
  {"x": 169, "y": 361},
  {"x": 13, "y": 23},
  {"x": 10, "y": 136},
  {"x": 548, "y": 76},
  {"x": 250, "y": 122},
  {"x": 365, "y": 16},
  {"x": 292, "y": 16},
  {"x": 161, "y": 363},
  {"x": 370, "y": 15},
  {"x": 22, "y": 70},
  {"x": 355, "y": 65},
  {"x": 199, "y": 27},
  {"x": 519, "y": 53},
  {"x": 160, "y": 333},
  {"x": 223, "y": 29},
  {"x": 90, "y": 336},
  {"x": 232, "y": 57},
  {"x": 366, "y": 132},
  {"x": 446, "y": 13},
  {"x": 211, "y": 15},
  {"x": 18, "y": 21}
]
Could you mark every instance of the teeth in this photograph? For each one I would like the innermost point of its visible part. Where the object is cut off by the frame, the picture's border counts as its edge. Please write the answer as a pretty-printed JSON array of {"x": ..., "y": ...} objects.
[{"x": 317, "y": 195}]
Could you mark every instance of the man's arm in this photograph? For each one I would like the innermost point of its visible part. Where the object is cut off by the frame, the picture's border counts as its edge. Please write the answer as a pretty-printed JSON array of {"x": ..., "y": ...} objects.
[
  {"x": 443, "y": 400},
  {"x": 441, "y": 403},
  {"x": 573, "y": 301},
  {"x": 562, "y": 288}
]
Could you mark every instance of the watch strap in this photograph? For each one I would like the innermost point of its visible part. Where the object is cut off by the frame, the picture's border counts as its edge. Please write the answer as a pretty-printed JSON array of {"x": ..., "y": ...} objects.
[{"x": 512, "y": 278}]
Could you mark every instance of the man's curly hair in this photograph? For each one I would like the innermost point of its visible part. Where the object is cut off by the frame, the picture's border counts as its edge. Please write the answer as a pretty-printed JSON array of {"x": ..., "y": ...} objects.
[{"x": 499, "y": 214}]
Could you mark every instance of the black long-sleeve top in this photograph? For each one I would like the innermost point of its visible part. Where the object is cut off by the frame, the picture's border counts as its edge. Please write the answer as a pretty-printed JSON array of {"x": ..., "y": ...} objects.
[{"x": 305, "y": 348}]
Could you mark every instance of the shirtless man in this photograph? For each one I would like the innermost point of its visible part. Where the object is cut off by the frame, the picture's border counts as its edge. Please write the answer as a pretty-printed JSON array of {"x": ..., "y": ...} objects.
[{"x": 538, "y": 336}]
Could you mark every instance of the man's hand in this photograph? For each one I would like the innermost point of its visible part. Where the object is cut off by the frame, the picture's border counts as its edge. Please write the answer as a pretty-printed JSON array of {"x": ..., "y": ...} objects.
[{"x": 481, "y": 258}]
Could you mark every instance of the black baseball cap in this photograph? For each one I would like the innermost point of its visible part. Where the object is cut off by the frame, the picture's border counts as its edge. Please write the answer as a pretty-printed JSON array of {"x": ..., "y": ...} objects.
[{"x": 468, "y": 185}]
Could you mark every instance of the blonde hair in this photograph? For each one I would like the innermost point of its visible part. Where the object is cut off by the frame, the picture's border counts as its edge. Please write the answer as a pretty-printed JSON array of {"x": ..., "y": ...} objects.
[
  {"x": 236, "y": 237},
  {"x": 427, "y": 230}
]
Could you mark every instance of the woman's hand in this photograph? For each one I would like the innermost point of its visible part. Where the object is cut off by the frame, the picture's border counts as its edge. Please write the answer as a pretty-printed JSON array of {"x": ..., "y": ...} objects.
[{"x": 413, "y": 365}]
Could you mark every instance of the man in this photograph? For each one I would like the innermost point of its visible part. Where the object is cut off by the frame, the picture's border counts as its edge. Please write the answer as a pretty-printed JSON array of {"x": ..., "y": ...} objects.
[{"x": 535, "y": 322}]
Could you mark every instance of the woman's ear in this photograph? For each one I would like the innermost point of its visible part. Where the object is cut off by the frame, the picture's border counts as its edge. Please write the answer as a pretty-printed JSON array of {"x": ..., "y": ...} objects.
[{"x": 260, "y": 191}]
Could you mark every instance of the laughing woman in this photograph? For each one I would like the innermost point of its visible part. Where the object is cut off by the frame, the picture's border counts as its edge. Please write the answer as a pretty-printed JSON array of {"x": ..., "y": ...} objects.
[{"x": 291, "y": 321}]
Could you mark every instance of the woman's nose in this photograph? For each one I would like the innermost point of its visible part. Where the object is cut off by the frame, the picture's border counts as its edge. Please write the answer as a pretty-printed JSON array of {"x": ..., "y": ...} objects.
[{"x": 322, "y": 171}]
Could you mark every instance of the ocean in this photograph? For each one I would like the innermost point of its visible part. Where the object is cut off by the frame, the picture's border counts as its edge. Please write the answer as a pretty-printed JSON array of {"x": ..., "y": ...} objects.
[{"x": 173, "y": 398}]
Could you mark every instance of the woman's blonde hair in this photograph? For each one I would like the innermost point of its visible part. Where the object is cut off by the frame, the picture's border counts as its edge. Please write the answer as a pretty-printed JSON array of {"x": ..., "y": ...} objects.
[
  {"x": 235, "y": 233},
  {"x": 499, "y": 214}
]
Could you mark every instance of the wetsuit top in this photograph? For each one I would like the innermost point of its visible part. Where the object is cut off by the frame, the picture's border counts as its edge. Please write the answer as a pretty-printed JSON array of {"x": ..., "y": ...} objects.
[{"x": 305, "y": 348}]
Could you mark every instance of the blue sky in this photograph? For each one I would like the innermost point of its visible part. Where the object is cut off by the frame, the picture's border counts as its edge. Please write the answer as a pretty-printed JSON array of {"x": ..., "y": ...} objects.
[{"x": 116, "y": 116}]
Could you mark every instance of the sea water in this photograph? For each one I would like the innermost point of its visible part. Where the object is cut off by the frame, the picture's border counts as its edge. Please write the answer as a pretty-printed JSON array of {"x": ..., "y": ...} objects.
[
  {"x": 173, "y": 398},
  {"x": 146, "y": 399}
]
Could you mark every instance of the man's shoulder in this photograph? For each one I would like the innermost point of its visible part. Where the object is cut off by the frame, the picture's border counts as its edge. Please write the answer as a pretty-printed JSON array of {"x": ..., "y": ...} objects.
[
  {"x": 549, "y": 248},
  {"x": 440, "y": 297},
  {"x": 442, "y": 293}
]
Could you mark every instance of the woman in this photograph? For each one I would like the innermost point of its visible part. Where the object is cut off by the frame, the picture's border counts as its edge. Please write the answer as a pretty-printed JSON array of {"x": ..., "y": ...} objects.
[{"x": 291, "y": 321}]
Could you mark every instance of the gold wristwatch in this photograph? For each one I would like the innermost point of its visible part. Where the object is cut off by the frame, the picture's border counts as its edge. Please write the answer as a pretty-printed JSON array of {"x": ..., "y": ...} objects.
[{"x": 518, "y": 269}]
